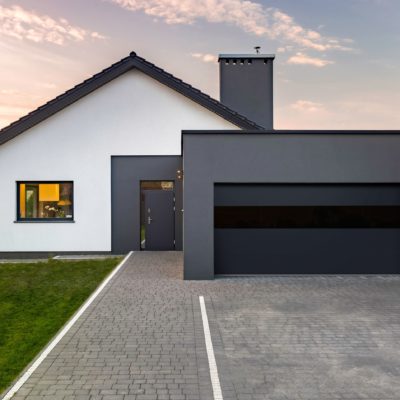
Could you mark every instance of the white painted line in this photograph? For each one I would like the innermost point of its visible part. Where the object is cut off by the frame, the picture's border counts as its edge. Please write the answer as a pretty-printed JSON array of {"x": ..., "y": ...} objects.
[
  {"x": 14, "y": 389},
  {"x": 216, "y": 386}
]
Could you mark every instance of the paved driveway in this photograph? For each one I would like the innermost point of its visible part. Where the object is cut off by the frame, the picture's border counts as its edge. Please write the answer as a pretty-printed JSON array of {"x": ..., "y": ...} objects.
[{"x": 274, "y": 338}]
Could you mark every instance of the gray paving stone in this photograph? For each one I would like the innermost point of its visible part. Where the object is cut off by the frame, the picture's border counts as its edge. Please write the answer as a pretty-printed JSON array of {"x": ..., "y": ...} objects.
[{"x": 275, "y": 338}]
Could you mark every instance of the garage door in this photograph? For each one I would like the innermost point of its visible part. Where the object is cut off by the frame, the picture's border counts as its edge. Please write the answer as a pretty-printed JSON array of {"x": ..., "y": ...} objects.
[{"x": 306, "y": 229}]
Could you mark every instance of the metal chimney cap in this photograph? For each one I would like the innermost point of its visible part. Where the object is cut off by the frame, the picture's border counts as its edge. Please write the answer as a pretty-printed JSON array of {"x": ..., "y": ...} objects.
[{"x": 246, "y": 56}]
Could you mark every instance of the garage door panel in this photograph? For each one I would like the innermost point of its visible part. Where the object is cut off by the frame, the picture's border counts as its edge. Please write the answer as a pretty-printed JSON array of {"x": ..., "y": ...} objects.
[
  {"x": 305, "y": 194},
  {"x": 307, "y": 228},
  {"x": 307, "y": 251}
]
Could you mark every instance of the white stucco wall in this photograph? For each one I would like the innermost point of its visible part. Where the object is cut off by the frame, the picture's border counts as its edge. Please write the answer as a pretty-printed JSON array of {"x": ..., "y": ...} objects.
[{"x": 132, "y": 115}]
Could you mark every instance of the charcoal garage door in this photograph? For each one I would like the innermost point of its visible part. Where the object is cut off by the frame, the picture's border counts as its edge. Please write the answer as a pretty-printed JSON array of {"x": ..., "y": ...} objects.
[{"x": 306, "y": 229}]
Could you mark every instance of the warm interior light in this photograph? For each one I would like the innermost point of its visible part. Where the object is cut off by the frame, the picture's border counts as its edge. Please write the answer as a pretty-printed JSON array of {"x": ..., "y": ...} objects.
[
  {"x": 167, "y": 185},
  {"x": 22, "y": 197},
  {"x": 62, "y": 203},
  {"x": 49, "y": 192}
]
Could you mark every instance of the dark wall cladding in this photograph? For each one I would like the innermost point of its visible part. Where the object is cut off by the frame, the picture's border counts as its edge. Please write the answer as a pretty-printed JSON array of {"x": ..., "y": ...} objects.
[
  {"x": 239, "y": 217},
  {"x": 126, "y": 174},
  {"x": 282, "y": 170}
]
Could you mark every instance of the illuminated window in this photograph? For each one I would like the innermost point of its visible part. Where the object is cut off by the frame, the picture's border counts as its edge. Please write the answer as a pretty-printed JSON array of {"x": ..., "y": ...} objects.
[{"x": 45, "y": 201}]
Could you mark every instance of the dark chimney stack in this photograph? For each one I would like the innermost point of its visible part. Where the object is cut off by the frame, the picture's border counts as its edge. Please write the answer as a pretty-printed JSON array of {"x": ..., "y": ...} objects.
[{"x": 246, "y": 86}]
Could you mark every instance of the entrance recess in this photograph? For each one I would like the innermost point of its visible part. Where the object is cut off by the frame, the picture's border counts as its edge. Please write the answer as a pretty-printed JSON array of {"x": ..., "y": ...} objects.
[{"x": 157, "y": 215}]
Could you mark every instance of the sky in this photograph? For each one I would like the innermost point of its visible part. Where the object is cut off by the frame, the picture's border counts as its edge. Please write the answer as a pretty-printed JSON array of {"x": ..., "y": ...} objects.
[{"x": 337, "y": 61}]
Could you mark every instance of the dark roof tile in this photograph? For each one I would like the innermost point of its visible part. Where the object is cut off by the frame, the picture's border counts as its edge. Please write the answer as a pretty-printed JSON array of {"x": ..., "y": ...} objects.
[{"x": 110, "y": 73}]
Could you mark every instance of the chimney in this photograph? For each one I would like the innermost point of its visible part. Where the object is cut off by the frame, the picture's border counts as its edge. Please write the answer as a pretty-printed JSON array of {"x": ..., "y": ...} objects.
[{"x": 246, "y": 86}]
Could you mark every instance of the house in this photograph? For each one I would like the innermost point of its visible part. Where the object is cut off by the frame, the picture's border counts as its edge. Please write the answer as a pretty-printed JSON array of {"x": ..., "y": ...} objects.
[{"x": 135, "y": 159}]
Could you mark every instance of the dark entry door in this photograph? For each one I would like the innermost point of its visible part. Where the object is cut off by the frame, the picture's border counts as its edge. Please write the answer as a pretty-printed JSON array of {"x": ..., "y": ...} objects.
[{"x": 159, "y": 219}]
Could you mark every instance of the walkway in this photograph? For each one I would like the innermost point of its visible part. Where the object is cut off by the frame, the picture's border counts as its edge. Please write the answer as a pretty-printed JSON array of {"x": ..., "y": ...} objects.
[{"x": 274, "y": 338}]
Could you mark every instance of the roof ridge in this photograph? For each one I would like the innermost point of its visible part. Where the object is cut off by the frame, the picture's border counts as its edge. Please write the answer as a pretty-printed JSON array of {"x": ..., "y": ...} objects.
[{"x": 107, "y": 74}]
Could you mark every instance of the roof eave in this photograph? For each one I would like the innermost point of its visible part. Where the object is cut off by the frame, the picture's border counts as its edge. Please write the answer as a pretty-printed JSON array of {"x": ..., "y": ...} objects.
[
  {"x": 107, "y": 75},
  {"x": 64, "y": 100}
]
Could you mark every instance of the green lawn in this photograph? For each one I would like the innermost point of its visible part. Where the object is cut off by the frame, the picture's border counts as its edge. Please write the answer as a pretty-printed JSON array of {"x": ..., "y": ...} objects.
[{"x": 36, "y": 299}]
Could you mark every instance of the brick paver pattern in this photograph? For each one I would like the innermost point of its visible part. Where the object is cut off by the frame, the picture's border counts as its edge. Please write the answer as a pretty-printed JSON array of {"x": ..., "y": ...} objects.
[{"x": 275, "y": 338}]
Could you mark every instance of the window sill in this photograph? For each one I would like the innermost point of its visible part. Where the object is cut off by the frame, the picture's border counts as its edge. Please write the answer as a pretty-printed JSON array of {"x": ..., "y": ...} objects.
[{"x": 44, "y": 221}]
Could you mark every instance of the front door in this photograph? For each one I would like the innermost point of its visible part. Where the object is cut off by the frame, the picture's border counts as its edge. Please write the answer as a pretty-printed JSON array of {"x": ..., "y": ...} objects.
[{"x": 159, "y": 220}]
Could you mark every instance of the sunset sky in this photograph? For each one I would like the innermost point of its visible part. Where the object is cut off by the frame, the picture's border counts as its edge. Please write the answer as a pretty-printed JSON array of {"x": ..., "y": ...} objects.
[{"x": 337, "y": 61}]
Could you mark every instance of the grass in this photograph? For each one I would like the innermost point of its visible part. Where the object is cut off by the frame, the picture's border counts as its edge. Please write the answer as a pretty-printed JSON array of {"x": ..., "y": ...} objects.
[{"x": 36, "y": 300}]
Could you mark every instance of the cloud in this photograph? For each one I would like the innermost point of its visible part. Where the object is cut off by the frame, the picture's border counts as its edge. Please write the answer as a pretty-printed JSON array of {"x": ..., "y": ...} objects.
[
  {"x": 21, "y": 24},
  {"x": 12, "y": 111},
  {"x": 14, "y": 103},
  {"x": 284, "y": 27},
  {"x": 247, "y": 15},
  {"x": 207, "y": 58},
  {"x": 307, "y": 106},
  {"x": 18, "y": 101},
  {"x": 97, "y": 35},
  {"x": 304, "y": 59},
  {"x": 8, "y": 92},
  {"x": 47, "y": 85},
  {"x": 371, "y": 108}
]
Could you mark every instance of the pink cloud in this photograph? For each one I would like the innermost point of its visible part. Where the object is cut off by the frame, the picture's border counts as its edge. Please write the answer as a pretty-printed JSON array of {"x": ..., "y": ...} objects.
[
  {"x": 207, "y": 58},
  {"x": 304, "y": 59},
  {"x": 307, "y": 106},
  {"x": 21, "y": 24},
  {"x": 247, "y": 15}
]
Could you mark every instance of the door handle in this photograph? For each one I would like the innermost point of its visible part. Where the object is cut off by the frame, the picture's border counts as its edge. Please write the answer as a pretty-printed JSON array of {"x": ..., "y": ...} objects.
[{"x": 149, "y": 219}]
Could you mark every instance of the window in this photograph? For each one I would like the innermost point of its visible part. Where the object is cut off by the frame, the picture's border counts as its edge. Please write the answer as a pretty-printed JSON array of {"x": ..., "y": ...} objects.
[
  {"x": 243, "y": 217},
  {"x": 45, "y": 201}
]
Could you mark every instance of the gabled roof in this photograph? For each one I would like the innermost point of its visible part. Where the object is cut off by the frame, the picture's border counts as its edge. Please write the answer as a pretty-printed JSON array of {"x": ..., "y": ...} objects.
[{"x": 133, "y": 61}]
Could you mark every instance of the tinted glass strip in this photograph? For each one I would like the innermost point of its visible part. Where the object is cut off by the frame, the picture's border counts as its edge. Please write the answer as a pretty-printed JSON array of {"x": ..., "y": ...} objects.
[{"x": 307, "y": 217}]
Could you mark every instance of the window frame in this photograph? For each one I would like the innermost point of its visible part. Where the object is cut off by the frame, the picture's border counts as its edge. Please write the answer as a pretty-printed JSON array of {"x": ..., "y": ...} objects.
[{"x": 44, "y": 220}]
